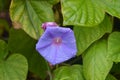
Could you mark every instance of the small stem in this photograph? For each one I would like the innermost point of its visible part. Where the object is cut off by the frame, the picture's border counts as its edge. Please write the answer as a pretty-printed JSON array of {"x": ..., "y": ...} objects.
[
  {"x": 50, "y": 75},
  {"x": 49, "y": 71}
]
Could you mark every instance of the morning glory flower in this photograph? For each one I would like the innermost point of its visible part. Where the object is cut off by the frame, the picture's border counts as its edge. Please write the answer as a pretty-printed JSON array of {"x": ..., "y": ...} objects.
[{"x": 57, "y": 44}]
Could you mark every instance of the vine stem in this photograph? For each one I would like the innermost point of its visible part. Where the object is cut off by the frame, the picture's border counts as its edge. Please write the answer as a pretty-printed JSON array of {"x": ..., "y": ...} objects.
[{"x": 49, "y": 71}]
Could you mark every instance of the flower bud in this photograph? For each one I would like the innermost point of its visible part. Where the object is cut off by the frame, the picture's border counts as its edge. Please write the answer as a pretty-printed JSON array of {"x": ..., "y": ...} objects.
[{"x": 48, "y": 24}]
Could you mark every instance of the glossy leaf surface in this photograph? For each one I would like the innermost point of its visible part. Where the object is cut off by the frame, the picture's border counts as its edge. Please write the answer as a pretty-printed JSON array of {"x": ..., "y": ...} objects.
[
  {"x": 85, "y": 36},
  {"x": 96, "y": 65},
  {"x": 11, "y": 70},
  {"x": 30, "y": 14},
  {"x": 114, "y": 46},
  {"x": 88, "y": 12},
  {"x": 69, "y": 73}
]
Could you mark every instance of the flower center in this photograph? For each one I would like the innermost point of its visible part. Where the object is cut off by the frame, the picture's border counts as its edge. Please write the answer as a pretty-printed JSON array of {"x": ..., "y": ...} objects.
[{"x": 57, "y": 40}]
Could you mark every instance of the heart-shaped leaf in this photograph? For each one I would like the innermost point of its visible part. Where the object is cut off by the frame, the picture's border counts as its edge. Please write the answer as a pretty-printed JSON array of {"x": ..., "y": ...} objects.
[
  {"x": 88, "y": 12},
  {"x": 112, "y": 7},
  {"x": 30, "y": 14},
  {"x": 37, "y": 64},
  {"x": 85, "y": 36},
  {"x": 96, "y": 65},
  {"x": 14, "y": 68},
  {"x": 114, "y": 46},
  {"x": 69, "y": 73}
]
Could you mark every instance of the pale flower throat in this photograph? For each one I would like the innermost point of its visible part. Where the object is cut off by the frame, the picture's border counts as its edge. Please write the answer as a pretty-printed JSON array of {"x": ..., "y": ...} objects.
[{"x": 57, "y": 40}]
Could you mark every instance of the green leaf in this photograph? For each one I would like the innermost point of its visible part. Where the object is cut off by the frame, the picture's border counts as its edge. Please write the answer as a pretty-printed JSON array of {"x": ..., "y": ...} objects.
[
  {"x": 69, "y": 73},
  {"x": 53, "y": 1},
  {"x": 30, "y": 14},
  {"x": 88, "y": 12},
  {"x": 114, "y": 46},
  {"x": 82, "y": 12},
  {"x": 112, "y": 7},
  {"x": 110, "y": 77},
  {"x": 96, "y": 65},
  {"x": 3, "y": 50},
  {"x": 85, "y": 36},
  {"x": 20, "y": 42},
  {"x": 13, "y": 68}
]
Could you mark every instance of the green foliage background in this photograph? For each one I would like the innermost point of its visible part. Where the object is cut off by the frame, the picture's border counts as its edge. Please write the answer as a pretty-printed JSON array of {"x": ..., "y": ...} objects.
[{"x": 96, "y": 26}]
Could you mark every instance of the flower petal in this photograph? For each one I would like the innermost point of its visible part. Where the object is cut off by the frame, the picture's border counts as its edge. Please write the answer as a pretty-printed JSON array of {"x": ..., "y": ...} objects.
[
  {"x": 49, "y": 54},
  {"x": 63, "y": 54},
  {"x": 57, "y": 31},
  {"x": 68, "y": 37},
  {"x": 44, "y": 41},
  {"x": 69, "y": 48},
  {"x": 44, "y": 51}
]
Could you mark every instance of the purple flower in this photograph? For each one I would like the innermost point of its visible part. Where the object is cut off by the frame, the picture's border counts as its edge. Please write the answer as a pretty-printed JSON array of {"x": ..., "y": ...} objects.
[{"x": 57, "y": 44}]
